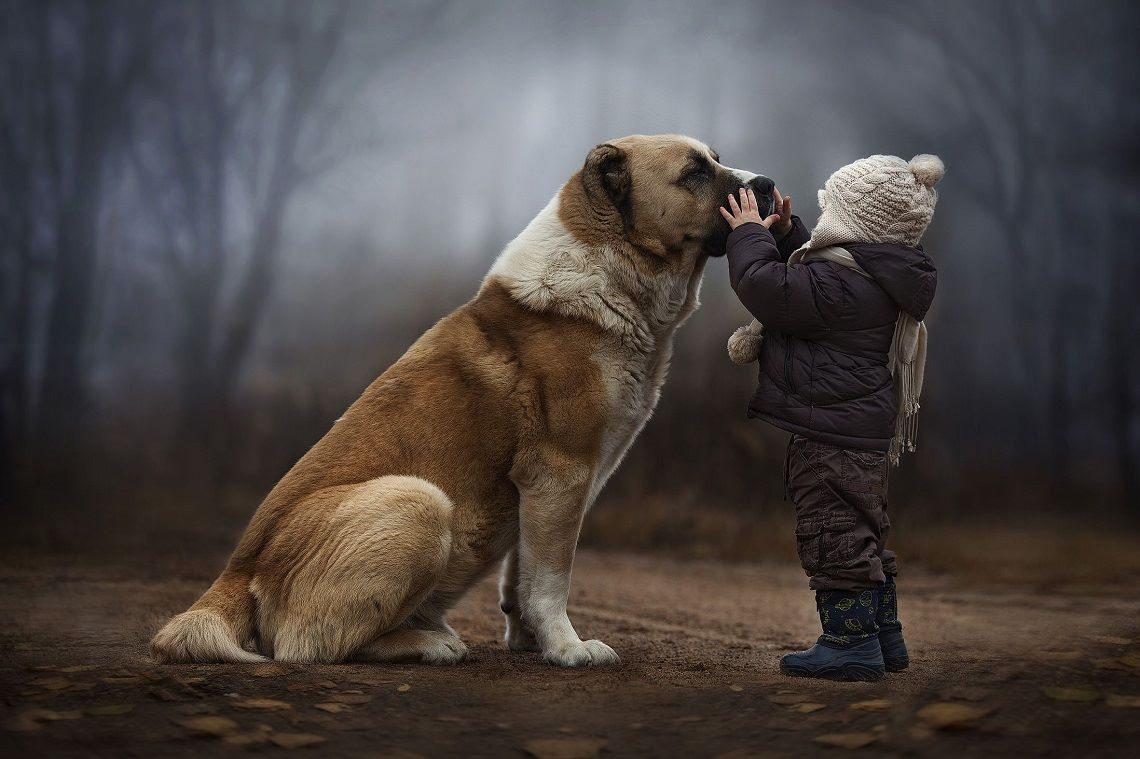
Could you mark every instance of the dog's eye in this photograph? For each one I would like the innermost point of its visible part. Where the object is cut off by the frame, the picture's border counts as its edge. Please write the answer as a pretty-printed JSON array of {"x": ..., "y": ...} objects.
[{"x": 701, "y": 171}]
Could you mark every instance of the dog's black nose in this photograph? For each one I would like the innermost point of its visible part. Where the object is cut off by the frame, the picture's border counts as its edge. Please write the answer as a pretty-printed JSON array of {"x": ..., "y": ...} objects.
[{"x": 761, "y": 185}]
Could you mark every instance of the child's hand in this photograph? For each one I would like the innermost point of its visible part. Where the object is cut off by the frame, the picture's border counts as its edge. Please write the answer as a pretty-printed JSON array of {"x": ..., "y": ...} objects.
[
  {"x": 747, "y": 211},
  {"x": 784, "y": 208}
]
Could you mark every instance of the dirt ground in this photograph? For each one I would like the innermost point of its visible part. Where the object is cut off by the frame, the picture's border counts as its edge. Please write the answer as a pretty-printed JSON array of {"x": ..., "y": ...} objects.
[{"x": 998, "y": 670}]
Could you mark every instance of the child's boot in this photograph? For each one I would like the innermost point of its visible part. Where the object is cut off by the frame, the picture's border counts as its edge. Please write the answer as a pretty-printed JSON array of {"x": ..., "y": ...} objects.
[
  {"x": 849, "y": 646},
  {"x": 895, "y": 658}
]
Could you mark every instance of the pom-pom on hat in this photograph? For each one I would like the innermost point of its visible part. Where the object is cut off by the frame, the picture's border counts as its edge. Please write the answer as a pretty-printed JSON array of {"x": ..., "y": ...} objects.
[{"x": 881, "y": 198}]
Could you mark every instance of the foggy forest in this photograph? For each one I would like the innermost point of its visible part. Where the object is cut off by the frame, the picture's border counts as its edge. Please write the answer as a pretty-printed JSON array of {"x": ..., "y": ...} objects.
[{"x": 221, "y": 221}]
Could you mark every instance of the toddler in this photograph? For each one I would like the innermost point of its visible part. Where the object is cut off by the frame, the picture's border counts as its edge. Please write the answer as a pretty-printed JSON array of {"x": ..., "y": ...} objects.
[{"x": 841, "y": 352}]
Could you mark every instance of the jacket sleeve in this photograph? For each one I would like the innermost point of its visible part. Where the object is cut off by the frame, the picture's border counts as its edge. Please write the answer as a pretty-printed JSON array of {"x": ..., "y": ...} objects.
[
  {"x": 781, "y": 297},
  {"x": 793, "y": 239}
]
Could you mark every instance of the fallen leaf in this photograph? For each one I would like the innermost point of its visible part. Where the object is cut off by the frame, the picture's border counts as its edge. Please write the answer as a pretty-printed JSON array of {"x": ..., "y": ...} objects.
[
  {"x": 735, "y": 688},
  {"x": 31, "y": 720},
  {"x": 166, "y": 694},
  {"x": 1060, "y": 693},
  {"x": 564, "y": 748},
  {"x": 52, "y": 683},
  {"x": 1107, "y": 663},
  {"x": 331, "y": 707},
  {"x": 354, "y": 699},
  {"x": 271, "y": 669},
  {"x": 1112, "y": 640},
  {"x": 787, "y": 699},
  {"x": 246, "y": 739},
  {"x": 403, "y": 688},
  {"x": 1118, "y": 700},
  {"x": 872, "y": 705},
  {"x": 51, "y": 715},
  {"x": 946, "y": 715},
  {"x": 296, "y": 740},
  {"x": 110, "y": 710},
  {"x": 806, "y": 707},
  {"x": 262, "y": 704},
  {"x": 846, "y": 740},
  {"x": 209, "y": 725},
  {"x": 967, "y": 693}
]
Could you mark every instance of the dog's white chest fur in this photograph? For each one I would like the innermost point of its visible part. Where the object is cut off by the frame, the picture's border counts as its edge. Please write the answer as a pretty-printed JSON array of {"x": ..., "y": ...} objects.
[{"x": 547, "y": 268}]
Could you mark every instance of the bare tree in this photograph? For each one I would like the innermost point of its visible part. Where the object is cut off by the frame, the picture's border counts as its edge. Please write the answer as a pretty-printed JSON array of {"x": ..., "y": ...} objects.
[
  {"x": 71, "y": 70},
  {"x": 248, "y": 114}
]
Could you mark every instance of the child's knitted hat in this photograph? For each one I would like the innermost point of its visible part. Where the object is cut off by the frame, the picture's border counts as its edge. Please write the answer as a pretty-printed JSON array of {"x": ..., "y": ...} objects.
[{"x": 878, "y": 199}]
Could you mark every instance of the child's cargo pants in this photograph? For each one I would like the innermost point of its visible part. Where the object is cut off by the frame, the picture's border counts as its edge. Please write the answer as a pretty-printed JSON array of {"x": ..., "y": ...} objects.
[{"x": 841, "y": 514}]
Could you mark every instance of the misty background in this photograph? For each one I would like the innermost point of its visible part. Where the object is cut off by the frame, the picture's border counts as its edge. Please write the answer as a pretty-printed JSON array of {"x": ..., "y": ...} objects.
[{"x": 220, "y": 220}]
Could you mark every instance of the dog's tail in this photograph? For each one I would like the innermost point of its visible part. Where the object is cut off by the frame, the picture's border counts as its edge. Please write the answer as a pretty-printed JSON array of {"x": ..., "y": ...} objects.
[{"x": 213, "y": 629}]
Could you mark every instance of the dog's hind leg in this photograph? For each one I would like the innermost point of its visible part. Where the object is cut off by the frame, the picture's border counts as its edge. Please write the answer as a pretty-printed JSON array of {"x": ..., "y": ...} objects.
[
  {"x": 518, "y": 636},
  {"x": 356, "y": 568},
  {"x": 430, "y": 646}
]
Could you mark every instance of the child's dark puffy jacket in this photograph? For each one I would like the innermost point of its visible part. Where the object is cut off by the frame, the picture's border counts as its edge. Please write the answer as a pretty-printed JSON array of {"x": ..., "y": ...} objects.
[{"x": 827, "y": 332}]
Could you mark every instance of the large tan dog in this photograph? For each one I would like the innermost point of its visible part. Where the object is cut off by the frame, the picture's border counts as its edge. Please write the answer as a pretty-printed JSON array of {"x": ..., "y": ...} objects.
[{"x": 487, "y": 441}]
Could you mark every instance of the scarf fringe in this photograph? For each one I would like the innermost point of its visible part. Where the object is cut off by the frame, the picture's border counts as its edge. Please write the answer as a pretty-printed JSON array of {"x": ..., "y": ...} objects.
[{"x": 907, "y": 361}]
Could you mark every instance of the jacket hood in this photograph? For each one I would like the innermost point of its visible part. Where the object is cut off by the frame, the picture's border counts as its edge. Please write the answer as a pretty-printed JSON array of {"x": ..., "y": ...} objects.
[{"x": 906, "y": 273}]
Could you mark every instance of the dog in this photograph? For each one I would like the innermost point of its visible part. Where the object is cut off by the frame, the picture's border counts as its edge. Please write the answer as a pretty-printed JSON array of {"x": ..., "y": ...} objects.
[{"x": 487, "y": 441}]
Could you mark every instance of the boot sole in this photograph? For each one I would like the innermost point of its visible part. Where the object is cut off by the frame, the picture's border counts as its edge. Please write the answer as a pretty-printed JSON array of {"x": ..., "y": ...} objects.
[{"x": 844, "y": 673}]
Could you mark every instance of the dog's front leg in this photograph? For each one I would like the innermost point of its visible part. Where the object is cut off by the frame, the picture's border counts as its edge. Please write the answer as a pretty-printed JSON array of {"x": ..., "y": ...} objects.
[{"x": 549, "y": 520}]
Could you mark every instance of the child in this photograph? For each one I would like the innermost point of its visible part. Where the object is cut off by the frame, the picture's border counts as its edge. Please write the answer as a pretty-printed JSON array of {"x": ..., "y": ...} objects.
[{"x": 841, "y": 360}]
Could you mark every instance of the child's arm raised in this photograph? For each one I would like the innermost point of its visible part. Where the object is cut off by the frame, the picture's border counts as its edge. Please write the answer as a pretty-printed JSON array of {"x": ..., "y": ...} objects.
[{"x": 781, "y": 297}]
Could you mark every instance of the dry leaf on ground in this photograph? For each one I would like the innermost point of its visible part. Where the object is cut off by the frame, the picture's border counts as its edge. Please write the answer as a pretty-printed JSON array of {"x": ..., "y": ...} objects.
[
  {"x": 564, "y": 748},
  {"x": 32, "y": 719},
  {"x": 735, "y": 688},
  {"x": 209, "y": 725},
  {"x": 403, "y": 688},
  {"x": 871, "y": 705},
  {"x": 332, "y": 707},
  {"x": 1107, "y": 663},
  {"x": 52, "y": 683},
  {"x": 1061, "y": 693},
  {"x": 806, "y": 707},
  {"x": 947, "y": 715},
  {"x": 846, "y": 740},
  {"x": 262, "y": 704},
  {"x": 1118, "y": 700},
  {"x": 296, "y": 740},
  {"x": 353, "y": 699},
  {"x": 1131, "y": 659}
]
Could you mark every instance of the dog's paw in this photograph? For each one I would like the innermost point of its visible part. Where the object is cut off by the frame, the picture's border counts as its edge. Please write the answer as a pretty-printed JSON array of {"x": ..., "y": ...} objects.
[
  {"x": 446, "y": 650},
  {"x": 582, "y": 653},
  {"x": 520, "y": 638}
]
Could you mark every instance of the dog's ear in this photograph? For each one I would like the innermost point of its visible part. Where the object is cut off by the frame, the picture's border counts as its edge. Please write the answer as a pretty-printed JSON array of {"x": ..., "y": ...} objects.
[{"x": 608, "y": 182}]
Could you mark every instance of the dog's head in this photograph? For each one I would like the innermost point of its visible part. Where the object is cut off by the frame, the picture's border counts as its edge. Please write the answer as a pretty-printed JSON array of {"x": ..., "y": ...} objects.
[{"x": 662, "y": 194}]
